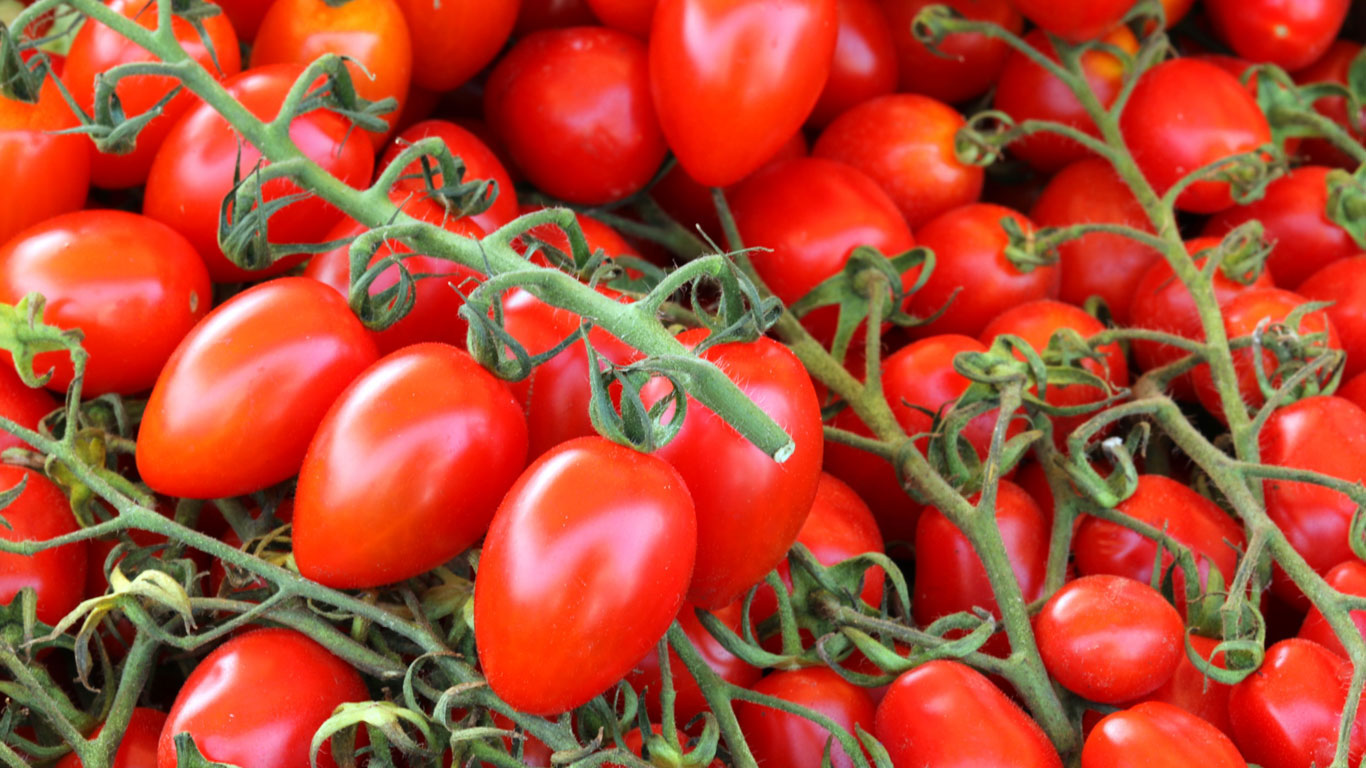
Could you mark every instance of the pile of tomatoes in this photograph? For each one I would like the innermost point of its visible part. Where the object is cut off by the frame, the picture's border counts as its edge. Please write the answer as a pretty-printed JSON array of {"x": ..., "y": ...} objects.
[{"x": 398, "y": 441}]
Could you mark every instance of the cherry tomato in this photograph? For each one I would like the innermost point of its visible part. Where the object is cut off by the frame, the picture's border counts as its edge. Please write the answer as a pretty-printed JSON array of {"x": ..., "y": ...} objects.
[
  {"x": 688, "y": 699},
  {"x": 732, "y": 81},
  {"x": 864, "y": 66},
  {"x": 480, "y": 163},
  {"x": 246, "y": 16},
  {"x": 1154, "y": 733},
  {"x": 966, "y": 64},
  {"x": 452, "y": 40},
  {"x": 222, "y": 706},
  {"x": 1343, "y": 283},
  {"x": 138, "y": 748},
  {"x": 193, "y": 171},
  {"x": 1332, "y": 67},
  {"x": 905, "y": 142},
  {"x": 1286, "y": 714},
  {"x": 1074, "y": 20},
  {"x": 1289, "y": 35},
  {"x": 573, "y": 108},
  {"x": 1192, "y": 691},
  {"x": 749, "y": 515},
  {"x": 616, "y": 524},
  {"x": 97, "y": 49},
  {"x": 1349, "y": 578},
  {"x": 633, "y": 16},
  {"x": 782, "y": 740},
  {"x": 372, "y": 33},
  {"x": 57, "y": 575},
  {"x": 21, "y": 404},
  {"x": 1109, "y": 638},
  {"x": 1183, "y": 115},
  {"x": 536, "y": 15},
  {"x": 45, "y": 174},
  {"x": 237, "y": 403},
  {"x": 945, "y": 713}
]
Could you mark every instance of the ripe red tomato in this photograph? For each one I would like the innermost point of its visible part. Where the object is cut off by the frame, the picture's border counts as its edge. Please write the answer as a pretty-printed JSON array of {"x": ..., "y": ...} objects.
[
  {"x": 749, "y": 514},
  {"x": 452, "y": 40},
  {"x": 1185, "y": 114},
  {"x": 97, "y": 49},
  {"x": 732, "y": 81},
  {"x": 57, "y": 575},
  {"x": 633, "y": 16},
  {"x": 1349, "y": 578},
  {"x": 783, "y": 740},
  {"x": 1286, "y": 714},
  {"x": 864, "y": 66},
  {"x": 1074, "y": 20},
  {"x": 1109, "y": 638},
  {"x": 22, "y": 405},
  {"x": 905, "y": 142},
  {"x": 969, "y": 244},
  {"x": 1157, "y": 733},
  {"x": 480, "y": 163},
  {"x": 1343, "y": 282},
  {"x": 1332, "y": 67},
  {"x": 237, "y": 403},
  {"x": 372, "y": 33},
  {"x": 1192, "y": 691},
  {"x": 1289, "y": 35},
  {"x": 138, "y": 748},
  {"x": 945, "y": 713},
  {"x": 418, "y": 451},
  {"x": 45, "y": 174},
  {"x": 193, "y": 171},
  {"x": 245, "y": 16},
  {"x": 573, "y": 109},
  {"x": 238, "y": 712},
  {"x": 1354, "y": 390},
  {"x": 1027, "y": 91},
  {"x": 133, "y": 285},
  {"x": 811, "y": 214},
  {"x": 688, "y": 699},
  {"x": 536, "y": 15},
  {"x": 616, "y": 524},
  {"x": 966, "y": 64}
]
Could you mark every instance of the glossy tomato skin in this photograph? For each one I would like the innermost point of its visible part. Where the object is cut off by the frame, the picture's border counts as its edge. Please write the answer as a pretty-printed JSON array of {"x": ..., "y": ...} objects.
[
  {"x": 1109, "y": 638},
  {"x": 1074, "y": 20},
  {"x": 453, "y": 40},
  {"x": 1354, "y": 390},
  {"x": 1289, "y": 35},
  {"x": 1343, "y": 283},
  {"x": 1349, "y": 578},
  {"x": 688, "y": 699},
  {"x": 193, "y": 171},
  {"x": 617, "y": 524},
  {"x": 783, "y": 740},
  {"x": 905, "y": 142},
  {"x": 946, "y": 714},
  {"x": 257, "y": 700},
  {"x": 21, "y": 404},
  {"x": 1332, "y": 67},
  {"x": 1153, "y": 733},
  {"x": 133, "y": 285},
  {"x": 864, "y": 66},
  {"x": 418, "y": 451},
  {"x": 45, "y": 174},
  {"x": 967, "y": 63},
  {"x": 969, "y": 244},
  {"x": 237, "y": 403},
  {"x": 480, "y": 163},
  {"x": 633, "y": 16},
  {"x": 1189, "y": 688},
  {"x": 733, "y": 80},
  {"x": 1286, "y": 714},
  {"x": 1185, "y": 114},
  {"x": 812, "y": 213},
  {"x": 138, "y": 748},
  {"x": 57, "y": 575}
]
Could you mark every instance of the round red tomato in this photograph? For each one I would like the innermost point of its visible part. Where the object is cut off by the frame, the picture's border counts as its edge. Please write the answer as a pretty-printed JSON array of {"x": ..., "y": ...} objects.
[
  {"x": 45, "y": 174},
  {"x": 234, "y": 705},
  {"x": 480, "y": 163},
  {"x": 1349, "y": 578},
  {"x": 452, "y": 40},
  {"x": 965, "y": 64},
  {"x": 138, "y": 748},
  {"x": 21, "y": 404},
  {"x": 57, "y": 575},
  {"x": 1332, "y": 67},
  {"x": 688, "y": 699},
  {"x": 1109, "y": 638},
  {"x": 1343, "y": 283},
  {"x": 732, "y": 81},
  {"x": 905, "y": 142},
  {"x": 1192, "y": 691},
  {"x": 1289, "y": 35},
  {"x": 1074, "y": 20},
  {"x": 131, "y": 284},
  {"x": 633, "y": 16},
  {"x": 1153, "y": 733},
  {"x": 237, "y": 403},
  {"x": 573, "y": 109},
  {"x": 617, "y": 525},
  {"x": 193, "y": 171},
  {"x": 864, "y": 66},
  {"x": 750, "y": 511},
  {"x": 1183, "y": 115},
  {"x": 782, "y": 740},
  {"x": 96, "y": 49}
]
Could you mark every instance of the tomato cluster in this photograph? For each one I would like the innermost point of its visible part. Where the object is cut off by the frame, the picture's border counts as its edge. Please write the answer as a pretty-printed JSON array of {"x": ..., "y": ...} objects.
[{"x": 683, "y": 382}]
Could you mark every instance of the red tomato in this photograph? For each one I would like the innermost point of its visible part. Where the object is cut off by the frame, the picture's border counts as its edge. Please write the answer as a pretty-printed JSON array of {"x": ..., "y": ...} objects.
[
  {"x": 1074, "y": 20},
  {"x": 1185, "y": 114},
  {"x": 45, "y": 174},
  {"x": 864, "y": 66},
  {"x": 1354, "y": 390},
  {"x": 1289, "y": 35},
  {"x": 193, "y": 171},
  {"x": 1153, "y": 733},
  {"x": 1349, "y": 578},
  {"x": 1332, "y": 67},
  {"x": 57, "y": 575},
  {"x": 633, "y": 16},
  {"x": 782, "y": 740},
  {"x": 732, "y": 81},
  {"x": 97, "y": 49},
  {"x": 237, "y": 403},
  {"x": 688, "y": 699},
  {"x": 573, "y": 109},
  {"x": 418, "y": 451},
  {"x": 748, "y": 515},
  {"x": 616, "y": 524},
  {"x": 966, "y": 64},
  {"x": 811, "y": 214},
  {"x": 138, "y": 748},
  {"x": 1243, "y": 314},
  {"x": 452, "y": 40},
  {"x": 536, "y": 15},
  {"x": 1286, "y": 714},
  {"x": 223, "y": 707},
  {"x": 1192, "y": 691},
  {"x": 947, "y": 714},
  {"x": 480, "y": 163},
  {"x": 372, "y": 33},
  {"x": 246, "y": 16},
  {"x": 22, "y": 405},
  {"x": 1108, "y": 266},
  {"x": 1343, "y": 282},
  {"x": 905, "y": 142},
  {"x": 1109, "y": 638},
  {"x": 133, "y": 285}
]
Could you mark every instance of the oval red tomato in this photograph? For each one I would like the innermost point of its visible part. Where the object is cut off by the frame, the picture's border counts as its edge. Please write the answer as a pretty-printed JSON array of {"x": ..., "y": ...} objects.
[
  {"x": 966, "y": 64},
  {"x": 452, "y": 40},
  {"x": 1289, "y": 35},
  {"x": 138, "y": 748},
  {"x": 57, "y": 575},
  {"x": 1343, "y": 283},
  {"x": 46, "y": 174},
  {"x": 1156, "y": 733},
  {"x": 21, "y": 404},
  {"x": 784, "y": 740},
  {"x": 1349, "y": 578},
  {"x": 864, "y": 65},
  {"x": 1074, "y": 20}
]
